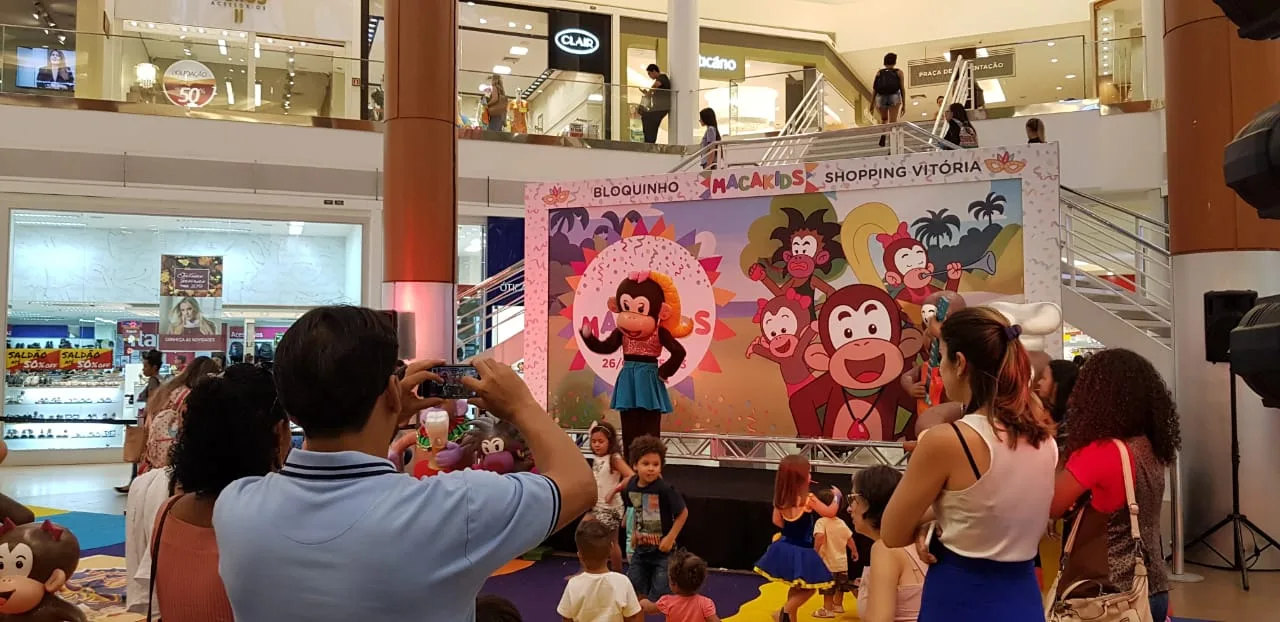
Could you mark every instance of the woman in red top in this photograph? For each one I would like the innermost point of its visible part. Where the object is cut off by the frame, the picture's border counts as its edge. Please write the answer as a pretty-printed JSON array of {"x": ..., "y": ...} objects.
[
  {"x": 1118, "y": 395},
  {"x": 233, "y": 429}
]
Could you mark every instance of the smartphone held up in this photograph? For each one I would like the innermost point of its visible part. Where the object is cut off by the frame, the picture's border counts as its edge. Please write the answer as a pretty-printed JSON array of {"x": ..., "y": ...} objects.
[{"x": 450, "y": 386}]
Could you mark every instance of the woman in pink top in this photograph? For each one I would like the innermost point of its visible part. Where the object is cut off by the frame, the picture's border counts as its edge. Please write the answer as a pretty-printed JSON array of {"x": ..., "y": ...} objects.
[
  {"x": 232, "y": 430},
  {"x": 685, "y": 572},
  {"x": 893, "y": 582}
]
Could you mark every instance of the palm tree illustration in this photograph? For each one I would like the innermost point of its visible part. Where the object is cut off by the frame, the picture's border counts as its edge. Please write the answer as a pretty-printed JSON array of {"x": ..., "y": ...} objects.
[
  {"x": 561, "y": 220},
  {"x": 936, "y": 227},
  {"x": 988, "y": 207}
]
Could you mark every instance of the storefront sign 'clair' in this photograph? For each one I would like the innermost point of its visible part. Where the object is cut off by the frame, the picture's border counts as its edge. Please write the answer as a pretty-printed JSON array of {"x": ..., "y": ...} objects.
[
  {"x": 577, "y": 41},
  {"x": 189, "y": 84}
]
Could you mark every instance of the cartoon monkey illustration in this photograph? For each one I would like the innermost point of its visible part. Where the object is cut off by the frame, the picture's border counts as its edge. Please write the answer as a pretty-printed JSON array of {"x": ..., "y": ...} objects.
[
  {"x": 647, "y": 314},
  {"x": 864, "y": 342},
  {"x": 786, "y": 329},
  {"x": 35, "y": 562},
  {"x": 808, "y": 245},
  {"x": 907, "y": 265}
]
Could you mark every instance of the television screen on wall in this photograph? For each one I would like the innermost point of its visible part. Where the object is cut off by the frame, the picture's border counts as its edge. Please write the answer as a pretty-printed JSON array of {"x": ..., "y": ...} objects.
[{"x": 51, "y": 69}]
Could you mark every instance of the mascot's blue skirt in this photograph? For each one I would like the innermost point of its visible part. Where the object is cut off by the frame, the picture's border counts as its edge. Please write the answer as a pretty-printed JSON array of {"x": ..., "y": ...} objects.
[{"x": 639, "y": 387}]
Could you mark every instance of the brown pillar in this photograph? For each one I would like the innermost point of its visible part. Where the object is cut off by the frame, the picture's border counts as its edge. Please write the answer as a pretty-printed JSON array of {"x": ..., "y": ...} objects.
[
  {"x": 420, "y": 169},
  {"x": 1215, "y": 83}
]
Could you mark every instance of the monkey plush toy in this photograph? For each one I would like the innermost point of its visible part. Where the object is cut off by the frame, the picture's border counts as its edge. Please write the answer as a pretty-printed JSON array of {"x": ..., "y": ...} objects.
[
  {"x": 647, "y": 316},
  {"x": 35, "y": 562}
]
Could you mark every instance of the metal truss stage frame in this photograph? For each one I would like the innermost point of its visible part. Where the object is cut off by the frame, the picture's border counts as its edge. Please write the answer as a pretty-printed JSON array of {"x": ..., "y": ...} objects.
[{"x": 765, "y": 451}]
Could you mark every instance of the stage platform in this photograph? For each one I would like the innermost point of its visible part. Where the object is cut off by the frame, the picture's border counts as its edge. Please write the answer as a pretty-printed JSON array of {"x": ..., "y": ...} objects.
[{"x": 730, "y": 513}]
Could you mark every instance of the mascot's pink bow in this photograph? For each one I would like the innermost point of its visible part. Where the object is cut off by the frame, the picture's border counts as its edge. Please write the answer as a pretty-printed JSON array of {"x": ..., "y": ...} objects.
[
  {"x": 886, "y": 239},
  {"x": 792, "y": 294},
  {"x": 641, "y": 276}
]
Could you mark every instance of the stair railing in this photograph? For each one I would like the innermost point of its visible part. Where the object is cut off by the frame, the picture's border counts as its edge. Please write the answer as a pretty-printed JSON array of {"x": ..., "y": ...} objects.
[
  {"x": 1138, "y": 270},
  {"x": 806, "y": 118},
  {"x": 959, "y": 89},
  {"x": 489, "y": 308}
]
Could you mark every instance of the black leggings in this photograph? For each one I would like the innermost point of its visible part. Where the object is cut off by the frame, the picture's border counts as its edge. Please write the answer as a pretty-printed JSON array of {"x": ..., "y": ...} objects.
[{"x": 637, "y": 423}]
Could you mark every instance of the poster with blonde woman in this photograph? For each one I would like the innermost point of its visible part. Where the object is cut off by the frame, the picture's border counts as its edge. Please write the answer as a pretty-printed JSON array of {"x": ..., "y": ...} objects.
[{"x": 191, "y": 303}]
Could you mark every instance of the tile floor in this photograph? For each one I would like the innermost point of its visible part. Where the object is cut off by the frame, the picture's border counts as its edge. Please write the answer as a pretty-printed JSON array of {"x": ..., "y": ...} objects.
[{"x": 89, "y": 489}]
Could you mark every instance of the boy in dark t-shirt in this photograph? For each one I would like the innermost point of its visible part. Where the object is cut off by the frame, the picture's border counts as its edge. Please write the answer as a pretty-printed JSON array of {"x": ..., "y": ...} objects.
[{"x": 659, "y": 515}]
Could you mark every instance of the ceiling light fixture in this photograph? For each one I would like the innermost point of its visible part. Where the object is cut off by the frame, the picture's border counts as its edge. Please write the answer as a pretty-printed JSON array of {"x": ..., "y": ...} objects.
[
  {"x": 1053, "y": 43},
  {"x": 511, "y": 24},
  {"x": 519, "y": 50},
  {"x": 528, "y": 26},
  {"x": 222, "y": 47},
  {"x": 595, "y": 97},
  {"x": 1053, "y": 60},
  {"x": 1059, "y": 88},
  {"x": 231, "y": 94},
  {"x": 501, "y": 70},
  {"x": 484, "y": 21},
  {"x": 150, "y": 25},
  {"x": 1071, "y": 76}
]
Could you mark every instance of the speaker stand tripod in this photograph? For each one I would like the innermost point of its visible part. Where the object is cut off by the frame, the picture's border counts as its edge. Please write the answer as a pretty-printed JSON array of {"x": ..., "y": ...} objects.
[{"x": 1237, "y": 521}]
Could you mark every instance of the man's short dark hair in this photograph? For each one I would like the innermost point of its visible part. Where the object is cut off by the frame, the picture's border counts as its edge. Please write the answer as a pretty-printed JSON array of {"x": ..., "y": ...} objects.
[
  {"x": 154, "y": 357},
  {"x": 890, "y": 59},
  {"x": 646, "y": 445},
  {"x": 654, "y": 68},
  {"x": 331, "y": 367}
]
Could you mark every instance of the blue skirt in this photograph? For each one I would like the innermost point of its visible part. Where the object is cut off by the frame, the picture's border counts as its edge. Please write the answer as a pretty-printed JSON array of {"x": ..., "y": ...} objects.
[
  {"x": 795, "y": 565},
  {"x": 639, "y": 387},
  {"x": 964, "y": 589}
]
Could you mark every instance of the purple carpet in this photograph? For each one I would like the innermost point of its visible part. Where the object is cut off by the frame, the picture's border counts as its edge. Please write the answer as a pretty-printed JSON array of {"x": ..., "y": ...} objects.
[{"x": 536, "y": 591}]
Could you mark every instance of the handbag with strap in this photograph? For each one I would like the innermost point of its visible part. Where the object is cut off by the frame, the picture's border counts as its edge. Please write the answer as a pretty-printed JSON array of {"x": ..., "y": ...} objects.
[
  {"x": 135, "y": 443},
  {"x": 1132, "y": 605}
]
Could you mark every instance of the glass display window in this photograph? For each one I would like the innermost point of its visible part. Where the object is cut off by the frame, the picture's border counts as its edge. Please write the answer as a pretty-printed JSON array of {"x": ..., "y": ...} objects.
[{"x": 90, "y": 293}]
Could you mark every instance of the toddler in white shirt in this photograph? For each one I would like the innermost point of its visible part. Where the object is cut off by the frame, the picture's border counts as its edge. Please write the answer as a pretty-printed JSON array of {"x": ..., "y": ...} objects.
[{"x": 596, "y": 594}]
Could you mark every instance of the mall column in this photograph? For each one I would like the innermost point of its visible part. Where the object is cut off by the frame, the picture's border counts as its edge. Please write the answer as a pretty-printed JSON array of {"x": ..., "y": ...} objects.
[
  {"x": 682, "y": 68},
  {"x": 1215, "y": 83},
  {"x": 420, "y": 170}
]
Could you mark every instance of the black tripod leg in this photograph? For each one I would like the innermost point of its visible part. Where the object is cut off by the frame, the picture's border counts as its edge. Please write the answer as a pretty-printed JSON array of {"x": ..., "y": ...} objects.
[
  {"x": 1238, "y": 539},
  {"x": 1258, "y": 530},
  {"x": 1204, "y": 537}
]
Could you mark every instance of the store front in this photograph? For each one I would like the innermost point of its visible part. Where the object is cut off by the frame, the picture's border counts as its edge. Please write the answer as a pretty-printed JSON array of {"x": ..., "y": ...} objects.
[
  {"x": 278, "y": 57},
  {"x": 753, "y": 82},
  {"x": 553, "y": 65},
  {"x": 89, "y": 293}
]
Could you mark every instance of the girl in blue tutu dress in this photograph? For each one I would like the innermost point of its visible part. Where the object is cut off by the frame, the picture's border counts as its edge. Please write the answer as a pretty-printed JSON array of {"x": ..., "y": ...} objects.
[
  {"x": 791, "y": 559},
  {"x": 646, "y": 311}
]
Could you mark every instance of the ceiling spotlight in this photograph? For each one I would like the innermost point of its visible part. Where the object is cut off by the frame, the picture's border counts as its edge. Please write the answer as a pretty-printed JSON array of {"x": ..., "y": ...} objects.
[
  {"x": 511, "y": 24},
  {"x": 1052, "y": 43},
  {"x": 304, "y": 44},
  {"x": 62, "y": 38},
  {"x": 1071, "y": 76},
  {"x": 184, "y": 29},
  {"x": 528, "y": 26},
  {"x": 200, "y": 29},
  {"x": 915, "y": 103},
  {"x": 1106, "y": 19},
  {"x": 130, "y": 23},
  {"x": 501, "y": 70},
  {"x": 484, "y": 21},
  {"x": 1053, "y": 60},
  {"x": 224, "y": 33},
  {"x": 1059, "y": 88},
  {"x": 35, "y": 15},
  {"x": 519, "y": 50},
  {"x": 150, "y": 25}
]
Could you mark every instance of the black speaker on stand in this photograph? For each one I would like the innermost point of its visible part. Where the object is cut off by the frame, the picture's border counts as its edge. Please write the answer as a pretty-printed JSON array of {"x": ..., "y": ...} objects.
[{"x": 1252, "y": 348}]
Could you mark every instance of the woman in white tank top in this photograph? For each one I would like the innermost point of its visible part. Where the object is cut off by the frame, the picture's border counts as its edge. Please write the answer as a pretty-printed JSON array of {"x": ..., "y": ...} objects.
[{"x": 988, "y": 478}]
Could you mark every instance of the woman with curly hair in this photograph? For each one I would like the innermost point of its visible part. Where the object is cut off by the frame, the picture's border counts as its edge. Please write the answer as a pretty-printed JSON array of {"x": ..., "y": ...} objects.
[
  {"x": 233, "y": 429},
  {"x": 1119, "y": 396}
]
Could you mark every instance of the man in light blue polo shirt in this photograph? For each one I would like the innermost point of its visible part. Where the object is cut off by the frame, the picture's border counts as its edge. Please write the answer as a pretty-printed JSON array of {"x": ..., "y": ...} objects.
[{"x": 338, "y": 534}]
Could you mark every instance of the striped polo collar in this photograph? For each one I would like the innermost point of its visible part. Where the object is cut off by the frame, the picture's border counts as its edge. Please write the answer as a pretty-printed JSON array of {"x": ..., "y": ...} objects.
[{"x": 317, "y": 465}]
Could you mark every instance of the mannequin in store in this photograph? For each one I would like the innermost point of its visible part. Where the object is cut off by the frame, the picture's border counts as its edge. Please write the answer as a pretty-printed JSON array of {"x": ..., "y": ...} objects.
[{"x": 519, "y": 114}]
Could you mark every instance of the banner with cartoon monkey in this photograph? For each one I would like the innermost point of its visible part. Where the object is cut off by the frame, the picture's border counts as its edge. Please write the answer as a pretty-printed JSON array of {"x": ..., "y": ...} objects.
[{"x": 804, "y": 309}]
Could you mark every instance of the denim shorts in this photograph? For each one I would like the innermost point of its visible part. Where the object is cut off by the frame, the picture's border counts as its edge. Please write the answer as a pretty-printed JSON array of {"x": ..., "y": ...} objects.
[{"x": 888, "y": 101}]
